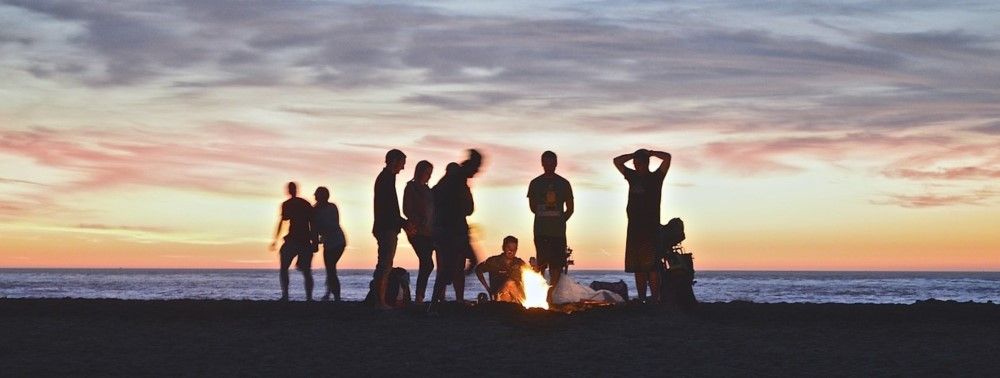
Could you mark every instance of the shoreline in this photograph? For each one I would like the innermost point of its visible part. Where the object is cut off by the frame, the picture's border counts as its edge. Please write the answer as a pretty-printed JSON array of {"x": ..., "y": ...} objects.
[{"x": 233, "y": 337}]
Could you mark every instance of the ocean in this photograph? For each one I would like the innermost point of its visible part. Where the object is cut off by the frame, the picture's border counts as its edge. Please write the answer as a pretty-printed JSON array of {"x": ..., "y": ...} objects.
[{"x": 711, "y": 286}]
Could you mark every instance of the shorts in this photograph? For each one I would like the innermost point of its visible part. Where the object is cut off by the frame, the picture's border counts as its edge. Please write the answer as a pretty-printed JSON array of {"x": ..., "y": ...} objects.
[
  {"x": 386, "y": 251},
  {"x": 550, "y": 251},
  {"x": 303, "y": 250}
]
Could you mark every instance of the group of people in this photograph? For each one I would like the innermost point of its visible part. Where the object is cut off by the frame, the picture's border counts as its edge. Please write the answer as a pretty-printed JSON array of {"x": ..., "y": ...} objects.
[{"x": 435, "y": 224}]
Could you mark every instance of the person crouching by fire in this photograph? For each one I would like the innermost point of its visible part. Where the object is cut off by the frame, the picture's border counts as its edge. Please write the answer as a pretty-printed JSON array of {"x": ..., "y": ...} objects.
[{"x": 505, "y": 273}]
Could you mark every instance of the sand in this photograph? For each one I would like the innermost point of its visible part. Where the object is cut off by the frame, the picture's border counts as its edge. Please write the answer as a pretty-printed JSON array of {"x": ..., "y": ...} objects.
[{"x": 117, "y": 337}]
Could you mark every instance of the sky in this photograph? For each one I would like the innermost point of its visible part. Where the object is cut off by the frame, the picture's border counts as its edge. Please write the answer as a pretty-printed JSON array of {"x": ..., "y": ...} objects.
[{"x": 805, "y": 135}]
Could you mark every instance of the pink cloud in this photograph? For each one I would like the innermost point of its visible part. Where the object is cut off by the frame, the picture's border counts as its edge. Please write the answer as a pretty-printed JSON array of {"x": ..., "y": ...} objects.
[
  {"x": 226, "y": 158},
  {"x": 977, "y": 197},
  {"x": 773, "y": 155}
]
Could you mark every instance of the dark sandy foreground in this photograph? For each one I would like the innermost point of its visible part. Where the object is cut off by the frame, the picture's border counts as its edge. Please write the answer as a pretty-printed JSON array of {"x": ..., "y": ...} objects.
[{"x": 102, "y": 337}]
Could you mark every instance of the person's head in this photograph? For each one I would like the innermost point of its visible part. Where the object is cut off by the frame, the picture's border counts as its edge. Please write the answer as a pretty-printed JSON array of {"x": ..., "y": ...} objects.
[
  {"x": 549, "y": 161},
  {"x": 293, "y": 190},
  {"x": 510, "y": 246},
  {"x": 473, "y": 163},
  {"x": 322, "y": 195},
  {"x": 395, "y": 160},
  {"x": 641, "y": 160},
  {"x": 422, "y": 173}
]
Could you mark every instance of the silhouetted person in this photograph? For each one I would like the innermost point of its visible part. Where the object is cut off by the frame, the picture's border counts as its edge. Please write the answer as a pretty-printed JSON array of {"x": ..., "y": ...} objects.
[
  {"x": 453, "y": 203},
  {"x": 298, "y": 242},
  {"x": 644, "y": 191},
  {"x": 505, "y": 273},
  {"x": 418, "y": 207},
  {"x": 388, "y": 221},
  {"x": 550, "y": 197},
  {"x": 326, "y": 231}
]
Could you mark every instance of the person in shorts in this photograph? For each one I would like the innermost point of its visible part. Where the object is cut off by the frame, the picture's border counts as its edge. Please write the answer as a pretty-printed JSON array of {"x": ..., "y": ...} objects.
[
  {"x": 550, "y": 198},
  {"x": 298, "y": 242}
]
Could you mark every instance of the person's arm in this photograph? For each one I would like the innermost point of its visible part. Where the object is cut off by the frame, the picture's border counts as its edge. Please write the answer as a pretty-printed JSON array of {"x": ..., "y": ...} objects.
[
  {"x": 569, "y": 201},
  {"x": 470, "y": 204},
  {"x": 532, "y": 198},
  {"x": 277, "y": 232},
  {"x": 665, "y": 157},
  {"x": 620, "y": 162},
  {"x": 482, "y": 279}
]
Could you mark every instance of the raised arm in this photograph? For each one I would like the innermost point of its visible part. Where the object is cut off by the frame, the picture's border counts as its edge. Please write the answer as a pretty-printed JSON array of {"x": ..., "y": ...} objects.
[
  {"x": 620, "y": 162},
  {"x": 665, "y": 157}
]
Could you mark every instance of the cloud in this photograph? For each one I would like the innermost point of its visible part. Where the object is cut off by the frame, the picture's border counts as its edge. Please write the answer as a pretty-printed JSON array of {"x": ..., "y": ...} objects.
[
  {"x": 223, "y": 158},
  {"x": 960, "y": 173},
  {"x": 928, "y": 200},
  {"x": 992, "y": 128},
  {"x": 775, "y": 155},
  {"x": 105, "y": 227},
  {"x": 4, "y": 180}
]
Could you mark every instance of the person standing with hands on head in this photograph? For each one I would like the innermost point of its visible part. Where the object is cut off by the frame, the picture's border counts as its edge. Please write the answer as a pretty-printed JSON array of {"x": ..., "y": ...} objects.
[
  {"x": 550, "y": 198},
  {"x": 645, "y": 188},
  {"x": 388, "y": 221},
  {"x": 418, "y": 207},
  {"x": 326, "y": 230},
  {"x": 298, "y": 242}
]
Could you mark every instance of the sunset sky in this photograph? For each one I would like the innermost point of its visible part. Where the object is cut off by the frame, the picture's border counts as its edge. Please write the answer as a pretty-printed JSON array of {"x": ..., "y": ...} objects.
[{"x": 806, "y": 135}]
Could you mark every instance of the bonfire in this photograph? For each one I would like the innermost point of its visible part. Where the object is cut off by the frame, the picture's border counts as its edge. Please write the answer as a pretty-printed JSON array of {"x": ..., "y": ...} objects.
[{"x": 536, "y": 289}]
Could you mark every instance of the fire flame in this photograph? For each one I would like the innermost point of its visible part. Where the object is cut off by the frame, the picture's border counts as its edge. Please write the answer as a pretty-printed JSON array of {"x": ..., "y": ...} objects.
[{"x": 536, "y": 289}]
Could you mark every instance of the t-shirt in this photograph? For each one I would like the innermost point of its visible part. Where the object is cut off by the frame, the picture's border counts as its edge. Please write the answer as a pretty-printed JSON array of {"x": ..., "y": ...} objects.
[
  {"x": 644, "y": 192},
  {"x": 297, "y": 212},
  {"x": 387, "y": 218},
  {"x": 549, "y": 193},
  {"x": 501, "y": 270},
  {"x": 326, "y": 223}
]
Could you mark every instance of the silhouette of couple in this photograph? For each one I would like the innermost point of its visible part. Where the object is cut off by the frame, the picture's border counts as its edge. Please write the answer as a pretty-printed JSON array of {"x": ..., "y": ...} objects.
[
  {"x": 310, "y": 226},
  {"x": 436, "y": 221}
]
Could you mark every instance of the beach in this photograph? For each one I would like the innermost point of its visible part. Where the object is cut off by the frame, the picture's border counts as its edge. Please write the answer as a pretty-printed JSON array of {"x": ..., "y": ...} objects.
[{"x": 199, "y": 337}]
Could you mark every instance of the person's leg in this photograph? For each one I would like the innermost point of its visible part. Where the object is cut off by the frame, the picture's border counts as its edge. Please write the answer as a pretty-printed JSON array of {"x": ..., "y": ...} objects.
[
  {"x": 330, "y": 258},
  {"x": 654, "y": 285},
  {"x": 556, "y": 251},
  {"x": 305, "y": 265},
  {"x": 285, "y": 258},
  {"x": 443, "y": 255},
  {"x": 326, "y": 265},
  {"x": 386, "y": 253},
  {"x": 424, "y": 248},
  {"x": 641, "y": 279},
  {"x": 458, "y": 278}
]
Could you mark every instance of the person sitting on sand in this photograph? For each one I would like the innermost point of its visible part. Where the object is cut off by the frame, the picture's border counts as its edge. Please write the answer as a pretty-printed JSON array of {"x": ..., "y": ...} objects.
[
  {"x": 326, "y": 230},
  {"x": 298, "y": 242},
  {"x": 505, "y": 273}
]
